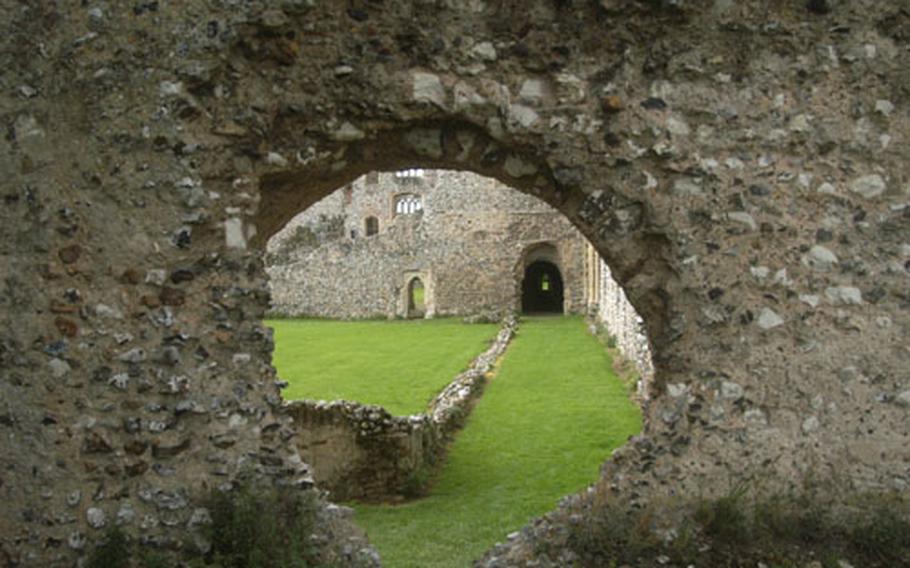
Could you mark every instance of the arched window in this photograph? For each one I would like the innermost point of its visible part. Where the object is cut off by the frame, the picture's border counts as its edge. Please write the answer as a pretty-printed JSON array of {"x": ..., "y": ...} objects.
[
  {"x": 408, "y": 204},
  {"x": 371, "y": 226}
]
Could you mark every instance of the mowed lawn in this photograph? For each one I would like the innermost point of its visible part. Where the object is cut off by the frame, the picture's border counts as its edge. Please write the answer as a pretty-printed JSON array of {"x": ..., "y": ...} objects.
[
  {"x": 545, "y": 423},
  {"x": 400, "y": 365}
]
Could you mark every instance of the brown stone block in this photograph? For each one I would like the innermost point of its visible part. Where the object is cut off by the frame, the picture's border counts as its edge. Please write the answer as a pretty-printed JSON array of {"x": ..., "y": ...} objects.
[
  {"x": 172, "y": 296},
  {"x": 70, "y": 254},
  {"x": 131, "y": 276},
  {"x": 150, "y": 301},
  {"x": 137, "y": 468},
  {"x": 136, "y": 447},
  {"x": 612, "y": 104},
  {"x": 66, "y": 326},
  {"x": 95, "y": 443},
  {"x": 160, "y": 451}
]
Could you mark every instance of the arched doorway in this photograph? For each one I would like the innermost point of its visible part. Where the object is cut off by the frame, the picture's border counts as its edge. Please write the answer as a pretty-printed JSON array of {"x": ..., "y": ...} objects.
[
  {"x": 542, "y": 289},
  {"x": 417, "y": 307}
]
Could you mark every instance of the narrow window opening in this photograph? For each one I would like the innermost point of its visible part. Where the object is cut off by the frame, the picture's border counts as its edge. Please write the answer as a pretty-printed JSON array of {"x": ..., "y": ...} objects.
[{"x": 371, "y": 226}]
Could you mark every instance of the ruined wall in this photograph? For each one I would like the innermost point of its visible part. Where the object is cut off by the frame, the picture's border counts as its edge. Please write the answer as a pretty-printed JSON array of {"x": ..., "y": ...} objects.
[
  {"x": 741, "y": 166},
  {"x": 359, "y": 451},
  {"x": 466, "y": 245},
  {"x": 609, "y": 307}
]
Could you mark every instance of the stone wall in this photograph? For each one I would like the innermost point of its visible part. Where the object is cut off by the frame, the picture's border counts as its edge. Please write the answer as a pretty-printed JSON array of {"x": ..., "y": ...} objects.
[
  {"x": 741, "y": 166},
  {"x": 362, "y": 452},
  {"x": 610, "y": 308},
  {"x": 467, "y": 246}
]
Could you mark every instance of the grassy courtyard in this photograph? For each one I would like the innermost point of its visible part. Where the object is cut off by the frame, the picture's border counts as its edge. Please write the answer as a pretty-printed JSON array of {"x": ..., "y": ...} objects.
[
  {"x": 544, "y": 425},
  {"x": 400, "y": 365}
]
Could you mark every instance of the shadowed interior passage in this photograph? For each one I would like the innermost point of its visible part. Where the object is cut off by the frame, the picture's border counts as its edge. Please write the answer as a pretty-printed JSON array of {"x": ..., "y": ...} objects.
[{"x": 541, "y": 289}]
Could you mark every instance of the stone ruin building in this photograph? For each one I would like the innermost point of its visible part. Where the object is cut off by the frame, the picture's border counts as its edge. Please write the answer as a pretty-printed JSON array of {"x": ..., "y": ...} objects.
[
  {"x": 468, "y": 240},
  {"x": 475, "y": 248},
  {"x": 742, "y": 167}
]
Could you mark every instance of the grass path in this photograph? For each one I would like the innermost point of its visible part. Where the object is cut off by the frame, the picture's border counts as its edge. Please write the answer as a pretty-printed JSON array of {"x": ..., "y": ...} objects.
[
  {"x": 400, "y": 365},
  {"x": 541, "y": 430}
]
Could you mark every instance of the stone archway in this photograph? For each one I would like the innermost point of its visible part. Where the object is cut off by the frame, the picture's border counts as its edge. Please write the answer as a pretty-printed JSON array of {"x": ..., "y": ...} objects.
[
  {"x": 416, "y": 298},
  {"x": 542, "y": 289},
  {"x": 750, "y": 199}
]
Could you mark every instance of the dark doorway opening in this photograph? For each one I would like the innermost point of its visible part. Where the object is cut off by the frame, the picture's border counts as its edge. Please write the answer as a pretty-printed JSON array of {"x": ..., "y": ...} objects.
[
  {"x": 541, "y": 289},
  {"x": 417, "y": 306}
]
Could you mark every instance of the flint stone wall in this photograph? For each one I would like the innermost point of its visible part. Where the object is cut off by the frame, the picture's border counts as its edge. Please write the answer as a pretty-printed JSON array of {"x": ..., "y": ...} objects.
[
  {"x": 467, "y": 246},
  {"x": 741, "y": 166},
  {"x": 362, "y": 452}
]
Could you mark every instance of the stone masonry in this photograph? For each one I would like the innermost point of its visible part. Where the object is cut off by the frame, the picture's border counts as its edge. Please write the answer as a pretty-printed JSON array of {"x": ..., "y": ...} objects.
[
  {"x": 362, "y": 452},
  {"x": 469, "y": 245},
  {"x": 741, "y": 166}
]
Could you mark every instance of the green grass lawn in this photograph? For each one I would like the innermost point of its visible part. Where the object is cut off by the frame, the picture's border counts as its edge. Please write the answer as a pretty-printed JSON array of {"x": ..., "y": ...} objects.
[
  {"x": 541, "y": 430},
  {"x": 400, "y": 365}
]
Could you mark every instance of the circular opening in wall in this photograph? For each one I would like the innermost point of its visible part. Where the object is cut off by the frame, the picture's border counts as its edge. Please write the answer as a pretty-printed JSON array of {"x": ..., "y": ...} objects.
[{"x": 402, "y": 330}]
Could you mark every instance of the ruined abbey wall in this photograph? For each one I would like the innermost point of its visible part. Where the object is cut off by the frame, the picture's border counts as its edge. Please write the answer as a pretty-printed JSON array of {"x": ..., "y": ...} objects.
[
  {"x": 360, "y": 451},
  {"x": 467, "y": 245},
  {"x": 741, "y": 166}
]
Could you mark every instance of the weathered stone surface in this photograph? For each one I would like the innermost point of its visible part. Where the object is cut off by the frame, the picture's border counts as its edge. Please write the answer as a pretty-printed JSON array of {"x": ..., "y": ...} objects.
[
  {"x": 468, "y": 245},
  {"x": 93, "y": 150},
  {"x": 362, "y": 452}
]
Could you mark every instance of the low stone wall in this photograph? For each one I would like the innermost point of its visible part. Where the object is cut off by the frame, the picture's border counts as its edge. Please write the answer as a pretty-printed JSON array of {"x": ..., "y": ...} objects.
[
  {"x": 614, "y": 311},
  {"x": 362, "y": 452}
]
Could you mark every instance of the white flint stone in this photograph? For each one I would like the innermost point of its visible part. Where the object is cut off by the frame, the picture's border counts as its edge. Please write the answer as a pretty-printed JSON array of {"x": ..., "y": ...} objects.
[
  {"x": 233, "y": 233},
  {"x": 465, "y": 96},
  {"x": 120, "y": 381},
  {"x": 869, "y": 186},
  {"x": 903, "y": 399},
  {"x": 811, "y": 299},
  {"x": 156, "y": 276},
  {"x": 276, "y": 159},
  {"x": 884, "y": 107},
  {"x": 731, "y": 391},
  {"x": 760, "y": 272},
  {"x": 677, "y": 127},
  {"x": 844, "y": 295},
  {"x": 96, "y": 518},
  {"x": 428, "y": 88},
  {"x": 521, "y": 115},
  {"x": 533, "y": 91},
  {"x": 781, "y": 278},
  {"x": 485, "y": 51},
  {"x": 59, "y": 367},
  {"x": 170, "y": 88},
  {"x": 820, "y": 258},
  {"x": 743, "y": 218},
  {"x": 827, "y": 189},
  {"x": 768, "y": 319},
  {"x": 810, "y": 425},
  {"x": 126, "y": 514},
  {"x": 134, "y": 355},
  {"x": 105, "y": 311},
  {"x": 755, "y": 417},
  {"x": 676, "y": 390},
  {"x": 347, "y": 132},
  {"x": 800, "y": 123},
  {"x": 516, "y": 167},
  {"x": 686, "y": 186}
]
